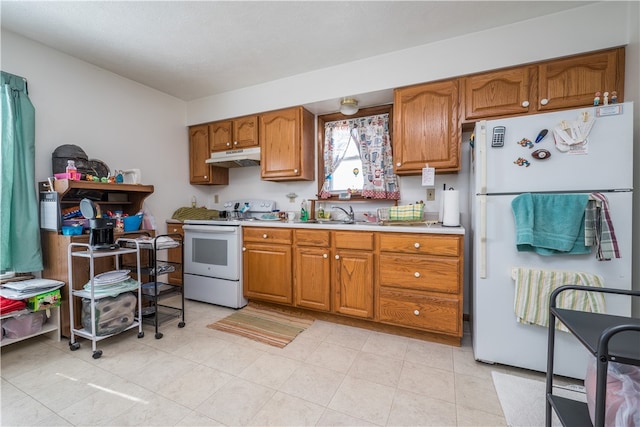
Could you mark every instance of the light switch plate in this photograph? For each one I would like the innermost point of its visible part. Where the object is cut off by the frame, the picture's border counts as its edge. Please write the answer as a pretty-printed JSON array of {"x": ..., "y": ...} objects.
[{"x": 431, "y": 194}]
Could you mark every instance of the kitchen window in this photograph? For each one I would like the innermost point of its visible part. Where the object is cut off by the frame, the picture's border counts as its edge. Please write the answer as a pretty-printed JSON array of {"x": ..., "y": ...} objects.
[{"x": 356, "y": 157}]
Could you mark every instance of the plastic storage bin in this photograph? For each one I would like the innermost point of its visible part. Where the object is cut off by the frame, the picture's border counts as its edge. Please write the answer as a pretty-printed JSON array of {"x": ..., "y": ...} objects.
[
  {"x": 24, "y": 325},
  {"x": 132, "y": 223}
]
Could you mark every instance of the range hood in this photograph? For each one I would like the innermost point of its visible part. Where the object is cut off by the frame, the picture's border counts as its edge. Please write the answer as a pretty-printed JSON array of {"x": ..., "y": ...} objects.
[{"x": 235, "y": 158}]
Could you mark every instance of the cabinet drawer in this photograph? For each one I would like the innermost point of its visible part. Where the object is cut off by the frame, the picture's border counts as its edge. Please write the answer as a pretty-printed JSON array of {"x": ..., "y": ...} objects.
[
  {"x": 353, "y": 240},
  {"x": 271, "y": 235},
  {"x": 416, "y": 310},
  {"x": 438, "y": 274},
  {"x": 426, "y": 244},
  {"x": 313, "y": 237}
]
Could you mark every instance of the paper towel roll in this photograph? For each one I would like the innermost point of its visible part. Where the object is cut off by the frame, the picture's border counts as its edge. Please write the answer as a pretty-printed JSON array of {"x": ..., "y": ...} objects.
[{"x": 451, "y": 208}]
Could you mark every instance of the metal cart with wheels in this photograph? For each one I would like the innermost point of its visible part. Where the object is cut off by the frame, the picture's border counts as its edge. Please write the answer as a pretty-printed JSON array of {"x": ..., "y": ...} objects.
[{"x": 93, "y": 292}]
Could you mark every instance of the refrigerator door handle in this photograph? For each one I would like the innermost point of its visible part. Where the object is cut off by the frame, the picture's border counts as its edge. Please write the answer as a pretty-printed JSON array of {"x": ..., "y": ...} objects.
[
  {"x": 482, "y": 149},
  {"x": 483, "y": 237}
]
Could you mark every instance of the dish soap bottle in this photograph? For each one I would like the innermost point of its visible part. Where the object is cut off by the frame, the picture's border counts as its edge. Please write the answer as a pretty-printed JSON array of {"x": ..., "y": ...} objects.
[
  {"x": 304, "y": 215},
  {"x": 72, "y": 171}
]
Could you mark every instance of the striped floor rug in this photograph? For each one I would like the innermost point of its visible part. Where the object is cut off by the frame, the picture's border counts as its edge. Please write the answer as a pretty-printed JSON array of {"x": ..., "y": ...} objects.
[{"x": 260, "y": 324}]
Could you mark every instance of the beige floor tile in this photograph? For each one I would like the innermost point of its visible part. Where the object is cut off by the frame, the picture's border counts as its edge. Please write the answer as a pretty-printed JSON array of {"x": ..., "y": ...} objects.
[
  {"x": 270, "y": 370},
  {"x": 335, "y": 418},
  {"x": 313, "y": 383},
  {"x": 287, "y": 410},
  {"x": 156, "y": 412},
  {"x": 470, "y": 417},
  {"x": 378, "y": 369},
  {"x": 23, "y": 355},
  {"x": 53, "y": 421},
  {"x": 431, "y": 354},
  {"x": 236, "y": 403},
  {"x": 319, "y": 330},
  {"x": 24, "y": 412},
  {"x": 363, "y": 399},
  {"x": 464, "y": 363},
  {"x": 195, "y": 419},
  {"x": 430, "y": 382},
  {"x": 195, "y": 386},
  {"x": 347, "y": 336},
  {"x": 386, "y": 345},
  {"x": 298, "y": 349},
  {"x": 476, "y": 393},
  {"x": 233, "y": 358},
  {"x": 332, "y": 356},
  {"x": 411, "y": 409}
]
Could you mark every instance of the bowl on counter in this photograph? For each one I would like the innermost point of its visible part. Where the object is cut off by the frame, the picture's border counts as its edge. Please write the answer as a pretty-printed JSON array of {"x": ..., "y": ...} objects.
[{"x": 132, "y": 222}]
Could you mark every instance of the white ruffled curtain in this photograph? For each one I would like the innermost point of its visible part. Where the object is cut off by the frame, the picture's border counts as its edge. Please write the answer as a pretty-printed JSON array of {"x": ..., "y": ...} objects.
[{"x": 371, "y": 135}]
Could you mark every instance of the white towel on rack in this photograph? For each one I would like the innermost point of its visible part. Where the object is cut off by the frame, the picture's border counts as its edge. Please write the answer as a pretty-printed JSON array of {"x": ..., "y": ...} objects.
[{"x": 534, "y": 287}]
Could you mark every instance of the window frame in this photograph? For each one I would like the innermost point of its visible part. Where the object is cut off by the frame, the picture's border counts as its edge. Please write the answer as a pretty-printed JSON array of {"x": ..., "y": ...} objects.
[{"x": 323, "y": 119}]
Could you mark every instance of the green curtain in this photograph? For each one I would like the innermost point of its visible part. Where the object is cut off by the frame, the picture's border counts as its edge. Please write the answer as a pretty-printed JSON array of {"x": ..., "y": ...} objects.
[{"x": 19, "y": 226}]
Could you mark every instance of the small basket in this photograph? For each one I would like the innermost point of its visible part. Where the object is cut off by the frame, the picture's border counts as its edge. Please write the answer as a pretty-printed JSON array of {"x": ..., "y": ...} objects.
[
  {"x": 401, "y": 214},
  {"x": 132, "y": 223}
]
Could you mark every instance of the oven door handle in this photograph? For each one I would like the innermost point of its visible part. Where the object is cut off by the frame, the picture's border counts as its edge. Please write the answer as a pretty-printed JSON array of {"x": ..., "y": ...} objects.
[{"x": 211, "y": 229}]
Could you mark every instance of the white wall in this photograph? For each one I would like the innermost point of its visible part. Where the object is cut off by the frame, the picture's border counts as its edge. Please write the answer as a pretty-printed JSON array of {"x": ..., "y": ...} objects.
[{"x": 122, "y": 123}]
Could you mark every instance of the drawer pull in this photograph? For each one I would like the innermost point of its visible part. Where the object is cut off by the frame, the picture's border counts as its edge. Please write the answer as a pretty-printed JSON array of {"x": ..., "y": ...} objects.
[
  {"x": 325, "y": 256},
  {"x": 416, "y": 274},
  {"x": 264, "y": 236},
  {"x": 544, "y": 101},
  {"x": 337, "y": 256},
  {"x": 525, "y": 104},
  {"x": 416, "y": 245},
  {"x": 244, "y": 249},
  {"x": 416, "y": 312}
]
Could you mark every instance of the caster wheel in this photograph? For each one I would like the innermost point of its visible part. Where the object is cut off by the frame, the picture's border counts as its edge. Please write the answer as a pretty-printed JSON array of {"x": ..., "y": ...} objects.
[
  {"x": 181, "y": 325},
  {"x": 97, "y": 354},
  {"x": 74, "y": 346},
  {"x": 140, "y": 334},
  {"x": 159, "y": 335}
]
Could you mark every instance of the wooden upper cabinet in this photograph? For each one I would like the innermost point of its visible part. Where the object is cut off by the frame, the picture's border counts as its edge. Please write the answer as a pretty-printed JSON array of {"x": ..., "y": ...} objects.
[
  {"x": 237, "y": 133},
  {"x": 557, "y": 84},
  {"x": 498, "y": 93},
  {"x": 425, "y": 128},
  {"x": 287, "y": 145},
  {"x": 199, "y": 151},
  {"x": 573, "y": 82}
]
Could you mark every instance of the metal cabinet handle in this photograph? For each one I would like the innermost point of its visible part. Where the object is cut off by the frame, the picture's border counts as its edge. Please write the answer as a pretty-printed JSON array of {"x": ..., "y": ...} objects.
[
  {"x": 416, "y": 312},
  {"x": 544, "y": 101},
  {"x": 525, "y": 104},
  {"x": 416, "y": 245},
  {"x": 416, "y": 274}
]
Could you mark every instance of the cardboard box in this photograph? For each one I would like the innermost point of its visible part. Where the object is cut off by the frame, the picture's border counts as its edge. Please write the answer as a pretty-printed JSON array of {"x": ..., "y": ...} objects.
[{"x": 44, "y": 301}]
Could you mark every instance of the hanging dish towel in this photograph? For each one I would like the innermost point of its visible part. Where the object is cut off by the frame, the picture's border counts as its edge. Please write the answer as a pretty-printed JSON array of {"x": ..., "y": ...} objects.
[
  {"x": 599, "y": 230},
  {"x": 550, "y": 224},
  {"x": 534, "y": 287}
]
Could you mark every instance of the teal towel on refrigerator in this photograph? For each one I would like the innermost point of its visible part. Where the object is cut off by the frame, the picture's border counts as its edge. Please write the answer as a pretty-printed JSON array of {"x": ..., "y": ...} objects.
[{"x": 550, "y": 224}]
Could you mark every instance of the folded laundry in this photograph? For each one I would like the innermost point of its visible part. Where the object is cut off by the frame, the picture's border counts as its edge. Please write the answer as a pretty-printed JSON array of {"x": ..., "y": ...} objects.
[
  {"x": 534, "y": 287},
  {"x": 550, "y": 224}
]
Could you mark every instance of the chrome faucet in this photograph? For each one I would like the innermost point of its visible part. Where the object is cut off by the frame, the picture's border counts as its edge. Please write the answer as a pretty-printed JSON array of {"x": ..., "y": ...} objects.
[{"x": 350, "y": 214}]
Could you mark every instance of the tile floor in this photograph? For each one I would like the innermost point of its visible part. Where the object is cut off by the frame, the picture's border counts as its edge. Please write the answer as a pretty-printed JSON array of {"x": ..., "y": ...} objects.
[{"x": 329, "y": 375}]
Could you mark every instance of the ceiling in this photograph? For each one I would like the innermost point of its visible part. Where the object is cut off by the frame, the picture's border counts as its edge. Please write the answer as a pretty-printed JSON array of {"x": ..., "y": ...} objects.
[{"x": 194, "y": 49}]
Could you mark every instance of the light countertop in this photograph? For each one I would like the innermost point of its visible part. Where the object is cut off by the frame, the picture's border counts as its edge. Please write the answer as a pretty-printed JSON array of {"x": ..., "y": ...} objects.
[{"x": 360, "y": 226}]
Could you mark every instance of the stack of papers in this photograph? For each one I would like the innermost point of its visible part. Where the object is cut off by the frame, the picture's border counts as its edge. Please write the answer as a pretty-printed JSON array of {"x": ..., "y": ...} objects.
[{"x": 24, "y": 289}]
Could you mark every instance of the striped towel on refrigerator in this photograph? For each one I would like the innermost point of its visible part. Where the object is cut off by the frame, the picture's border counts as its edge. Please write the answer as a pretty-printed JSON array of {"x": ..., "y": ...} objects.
[
  {"x": 599, "y": 230},
  {"x": 534, "y": 287}
]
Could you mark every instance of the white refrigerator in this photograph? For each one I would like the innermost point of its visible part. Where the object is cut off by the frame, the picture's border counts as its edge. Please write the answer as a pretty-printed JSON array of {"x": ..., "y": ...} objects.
[{"x": 500, "y": 172}]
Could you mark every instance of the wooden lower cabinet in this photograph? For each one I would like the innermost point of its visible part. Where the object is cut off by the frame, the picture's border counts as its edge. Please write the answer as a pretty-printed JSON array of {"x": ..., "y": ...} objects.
[
  {"x": 175, "y": 254},
  {"x": 267, "y": 265},
  {"x": 401, "y": 279},
  {"x": 420, "y": 281},
  {"x": 312, "y": 269}
]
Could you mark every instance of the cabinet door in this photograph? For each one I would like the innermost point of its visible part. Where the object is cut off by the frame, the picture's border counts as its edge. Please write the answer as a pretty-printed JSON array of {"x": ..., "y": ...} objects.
[
  {"x": 286, "y": 142},
  {"x": 174, "y": 255},
  {"x": 245, "y": 132},
  {"x": 353, "y": 283},
  {"x": 267, "y": 272},
  {"x": 425, "y": 128},
  {"x": 199, "y": 151},
  {"x": 221, "y": 136},
  {"x": 573, "y": 82},
  {"x": 499, "y": 93},
  {"x": 312, "y": 278}
]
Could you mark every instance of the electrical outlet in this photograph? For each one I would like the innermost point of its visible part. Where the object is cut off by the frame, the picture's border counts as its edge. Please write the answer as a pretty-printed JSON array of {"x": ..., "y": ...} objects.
[
  {"x": 216, "y": 199},
  {"x": 431, "y": 194}
]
